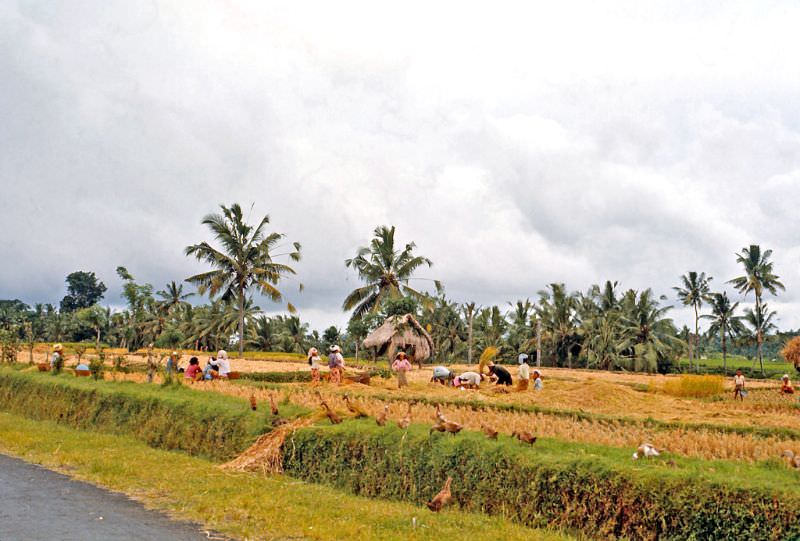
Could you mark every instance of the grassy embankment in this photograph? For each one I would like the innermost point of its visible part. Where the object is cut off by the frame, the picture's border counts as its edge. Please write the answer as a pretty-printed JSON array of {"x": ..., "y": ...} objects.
[
  {"x": 556, "y": 484},
  {"x": 242, "y": 505},
  {"x": 169, "y": 417}
]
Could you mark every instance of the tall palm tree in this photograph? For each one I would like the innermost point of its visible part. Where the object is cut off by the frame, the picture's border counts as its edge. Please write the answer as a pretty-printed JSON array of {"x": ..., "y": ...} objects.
[
  {"x": 469, "y": 310},
  {"x": 386, "y": 270},
  {"x": 557, "y": 309},
  {"x": 760, "y": 322},
  {"x": 652, "y": 332},
  {"x": 724, "y": 321},
  {"x": 245, "y": 261},
  {"x": 693, "y": 292},
  {"x": 758, "y": 276}
]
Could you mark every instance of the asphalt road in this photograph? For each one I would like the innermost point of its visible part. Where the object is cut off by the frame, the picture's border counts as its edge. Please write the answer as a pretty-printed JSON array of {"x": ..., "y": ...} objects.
[{"x": 38, "y": 504}]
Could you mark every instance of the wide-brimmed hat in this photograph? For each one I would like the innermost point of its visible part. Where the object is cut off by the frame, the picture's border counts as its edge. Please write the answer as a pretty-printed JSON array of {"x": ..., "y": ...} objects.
[
  {"x": 785, "y": 376},
  {"x": 222, "y": 354},
  {"x": 58, "y": 347},
  {"x": 335, "y": 349}
]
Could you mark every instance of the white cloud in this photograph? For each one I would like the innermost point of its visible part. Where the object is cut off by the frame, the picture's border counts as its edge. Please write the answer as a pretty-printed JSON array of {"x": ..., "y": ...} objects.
[{"x": 516, "y": 143}]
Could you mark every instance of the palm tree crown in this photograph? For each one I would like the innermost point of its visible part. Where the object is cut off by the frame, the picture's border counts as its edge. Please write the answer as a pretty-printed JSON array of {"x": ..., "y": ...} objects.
[
  {"x": 386, "y": 270},
  {"x": 245, "y": 261}
]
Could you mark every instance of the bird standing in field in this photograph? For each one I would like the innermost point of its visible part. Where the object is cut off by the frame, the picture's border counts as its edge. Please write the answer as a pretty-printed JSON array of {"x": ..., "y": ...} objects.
[
  {"x": 523, "y": 436},
  {"x": 442, "y": 498},
  {"x": 406, "y": 420},
  {"x": 439, "y": 415},
  {"x": 334, "y": 419},
  {"x": 490, "y": 432},
  {"x": 646, "y": 450},
  {"x": 354, "y": 408},
  {"x": 272, "y": 405},
  {"x": 381, "y": 418},
  {"x": 452, "y": 427},
  {"x": 253, "y": 403}
]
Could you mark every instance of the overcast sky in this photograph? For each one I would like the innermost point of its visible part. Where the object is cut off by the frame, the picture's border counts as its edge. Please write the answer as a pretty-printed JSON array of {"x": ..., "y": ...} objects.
[{"x": 516, "y": 143}]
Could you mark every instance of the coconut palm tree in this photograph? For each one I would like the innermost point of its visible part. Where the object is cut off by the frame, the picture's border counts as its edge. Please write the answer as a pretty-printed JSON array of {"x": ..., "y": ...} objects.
[
  {"x": 245, "y": 261},
  {"x": 724, "y": 321},
  {"x": 387, "y": 272},
  {"x": 557, "y": 310},
  {"x": 653, "y": 334},
  {"x": 758, "y": 276},
  {"x": 760, "y": 322},
  {"x": 693, "y": 291}
]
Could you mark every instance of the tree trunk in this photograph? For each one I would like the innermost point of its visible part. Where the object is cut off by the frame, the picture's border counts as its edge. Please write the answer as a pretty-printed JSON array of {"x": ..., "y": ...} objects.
[
  {"x": 538, "y": 343},
  {"x": 759, "y": 336},
  {"x": 724, "y": 353},
  {"x": 696, "y": 336},
  {"x": 97, "y": 341},
  {"x": 241, "y": 322},
  {"x": 470, "y": 317}
]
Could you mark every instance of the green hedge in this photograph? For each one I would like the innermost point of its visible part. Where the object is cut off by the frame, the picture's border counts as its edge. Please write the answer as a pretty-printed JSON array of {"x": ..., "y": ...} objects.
[
  {"x": 173, "y": 417},
  {"x": 599, "y": 491}
]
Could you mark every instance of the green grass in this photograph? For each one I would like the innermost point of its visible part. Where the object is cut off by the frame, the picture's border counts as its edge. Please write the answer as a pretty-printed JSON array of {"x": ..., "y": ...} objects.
[
  {"x": 170, "y": 417},
  {"x": 246, "y": 506},
  {"x": 599, "y": 490},
  {"x": 774, "y": 369}
]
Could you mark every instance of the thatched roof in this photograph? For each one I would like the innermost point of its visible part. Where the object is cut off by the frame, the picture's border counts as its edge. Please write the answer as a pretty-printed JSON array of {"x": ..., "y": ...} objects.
[{"x": 401, "y": 332}]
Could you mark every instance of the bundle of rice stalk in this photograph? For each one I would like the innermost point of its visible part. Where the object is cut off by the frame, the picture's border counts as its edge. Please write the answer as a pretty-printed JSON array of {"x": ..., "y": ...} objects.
[
  {"x": 487, "y": 356},
  {"x": 266, "y": 453}
]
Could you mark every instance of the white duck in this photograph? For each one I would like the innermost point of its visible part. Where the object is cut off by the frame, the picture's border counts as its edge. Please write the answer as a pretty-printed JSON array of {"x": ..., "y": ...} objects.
[{"x": 646, "y": 450}]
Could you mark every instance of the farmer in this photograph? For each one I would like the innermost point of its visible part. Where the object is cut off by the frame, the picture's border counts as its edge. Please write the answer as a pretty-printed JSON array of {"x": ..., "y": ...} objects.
[
  {"x": 537, "y": 381},
  {"x": 442, "y": 375},
  {"x": 172, "y": 363},
  {"x": 468, "y": 380},
  {"x": 193, "y": 372},
  {"x": 401, "y": 365},
  {"x": 500, "y": 375},
  {"x": 313, "y": 361},
  {"x": 57, "y": 360},
  {"x": 786, "y": 385},
  {"x": 336, "y": 364},
  {"x": 523, "y": 373},
  {"x": 222, "y": 363},
  {"x": 738, "y": 385}
]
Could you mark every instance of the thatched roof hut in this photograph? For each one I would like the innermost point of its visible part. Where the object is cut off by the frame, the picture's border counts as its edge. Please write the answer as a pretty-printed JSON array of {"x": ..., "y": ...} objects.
[{"x": 401, "y": 333}]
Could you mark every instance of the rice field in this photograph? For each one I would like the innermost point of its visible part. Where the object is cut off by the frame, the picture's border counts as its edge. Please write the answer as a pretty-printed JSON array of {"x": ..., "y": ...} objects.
[{"x": 575, "y": 407}]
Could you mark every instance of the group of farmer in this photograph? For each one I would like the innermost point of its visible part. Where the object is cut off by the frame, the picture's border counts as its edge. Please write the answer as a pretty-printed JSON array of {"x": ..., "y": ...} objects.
[
  {"x": 739, "y": 391},
  {"x": 335, "y": 364},
  {"x": 499, "y": 375},
  {"x": 217, "y": 367}
]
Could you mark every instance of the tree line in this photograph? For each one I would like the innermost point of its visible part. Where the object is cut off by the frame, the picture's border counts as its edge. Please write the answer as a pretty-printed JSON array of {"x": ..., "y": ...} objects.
[{"x": 603, "y": 327}]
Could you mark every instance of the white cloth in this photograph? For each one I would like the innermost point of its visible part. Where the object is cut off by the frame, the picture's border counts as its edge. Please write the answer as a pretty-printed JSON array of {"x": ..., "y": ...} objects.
[
  {"x": 524, "y": 371},
  {"x": 522, "y": 358},
  {"x": 738, "y": 380},
  {"x": 470, "y": 378},
  {"x": 224, "y": 366},
  {"x": 315, "y": 361}
]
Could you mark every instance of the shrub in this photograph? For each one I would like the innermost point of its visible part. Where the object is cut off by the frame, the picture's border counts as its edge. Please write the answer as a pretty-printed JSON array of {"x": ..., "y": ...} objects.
[
  {"x": 215, "y": 426},
  {"x": 694, "y": 386},
  {"x": 553, "y": 484}
]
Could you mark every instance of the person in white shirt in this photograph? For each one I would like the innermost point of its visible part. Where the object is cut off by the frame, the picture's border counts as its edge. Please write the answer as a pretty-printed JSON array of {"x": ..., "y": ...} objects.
[
  {"x": 314, "y": 362},
  {"x": 738, "y": 386},
  {"x": 222, "y": 363},
  {"x": 468, "y": 380},
  {"x": 523, "y": 374}
]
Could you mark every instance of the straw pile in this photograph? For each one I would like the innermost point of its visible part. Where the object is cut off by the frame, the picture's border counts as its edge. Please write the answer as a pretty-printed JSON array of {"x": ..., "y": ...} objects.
[{"x": 266, "y": 454}]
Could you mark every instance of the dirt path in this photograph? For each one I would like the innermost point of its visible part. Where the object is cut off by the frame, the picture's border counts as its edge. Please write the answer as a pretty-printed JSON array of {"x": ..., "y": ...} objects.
[{"x": 39, "y": 504}]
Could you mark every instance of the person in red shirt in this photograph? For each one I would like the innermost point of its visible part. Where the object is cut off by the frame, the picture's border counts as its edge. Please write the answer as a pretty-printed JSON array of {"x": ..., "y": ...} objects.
[{"x": 193, "y": 371}]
